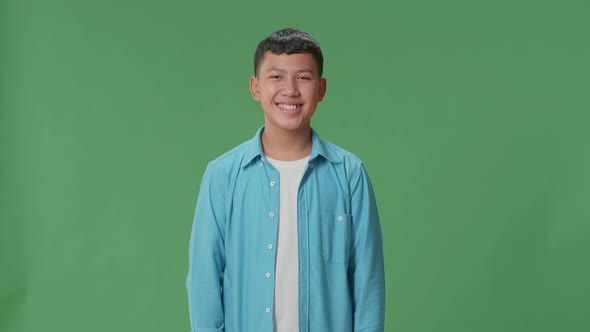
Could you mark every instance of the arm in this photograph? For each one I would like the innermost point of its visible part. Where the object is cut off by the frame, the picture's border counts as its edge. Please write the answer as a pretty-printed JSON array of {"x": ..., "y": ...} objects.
[
  {"x": 366, "y": 270},
  {"x": 207, "y": 258}
]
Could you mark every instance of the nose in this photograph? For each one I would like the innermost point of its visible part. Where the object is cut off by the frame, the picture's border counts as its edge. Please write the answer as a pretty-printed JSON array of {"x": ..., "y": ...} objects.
[{"x": 290, "y": 88}]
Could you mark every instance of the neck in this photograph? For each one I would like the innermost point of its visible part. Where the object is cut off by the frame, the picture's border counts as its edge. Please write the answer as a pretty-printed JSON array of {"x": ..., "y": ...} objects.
[{"x": 286, "y": 145}]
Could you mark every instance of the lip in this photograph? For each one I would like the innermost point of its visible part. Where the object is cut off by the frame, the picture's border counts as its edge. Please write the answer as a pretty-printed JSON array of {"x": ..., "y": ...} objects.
[{"x": 290, "y": 109}]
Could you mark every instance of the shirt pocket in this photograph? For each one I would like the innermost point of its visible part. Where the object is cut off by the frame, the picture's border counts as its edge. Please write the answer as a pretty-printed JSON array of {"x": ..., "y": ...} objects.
[{"x": 336, "y": 237}]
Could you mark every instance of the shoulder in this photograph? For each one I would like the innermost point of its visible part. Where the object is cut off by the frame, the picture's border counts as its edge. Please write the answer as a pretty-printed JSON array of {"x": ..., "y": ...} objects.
[
  {"x": 337, "y": 154},
  {"x": 228, "y": 163},
  {"x": 230, "y": 157},
  {"x": 341, "y": 153},
  {"x": 343, "y": 159}
]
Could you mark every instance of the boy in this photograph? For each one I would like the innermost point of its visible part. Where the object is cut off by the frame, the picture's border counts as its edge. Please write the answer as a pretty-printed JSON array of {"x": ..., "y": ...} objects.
[{"x": 286, "y": 234}]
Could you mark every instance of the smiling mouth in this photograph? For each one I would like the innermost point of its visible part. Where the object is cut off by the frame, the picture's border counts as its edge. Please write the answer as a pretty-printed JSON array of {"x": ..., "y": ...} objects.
[{"x": 289, "y": 107}]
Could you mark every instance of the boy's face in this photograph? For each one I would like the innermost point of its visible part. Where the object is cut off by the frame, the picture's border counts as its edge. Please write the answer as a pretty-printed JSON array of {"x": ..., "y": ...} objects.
[{"x": 289, "y": 88}]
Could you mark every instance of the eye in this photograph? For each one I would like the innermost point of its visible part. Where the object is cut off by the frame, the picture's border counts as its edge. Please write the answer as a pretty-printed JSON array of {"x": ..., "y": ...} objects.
[
  {"x": 304, "y": 78},
  {"x": 274, "y": 77}
]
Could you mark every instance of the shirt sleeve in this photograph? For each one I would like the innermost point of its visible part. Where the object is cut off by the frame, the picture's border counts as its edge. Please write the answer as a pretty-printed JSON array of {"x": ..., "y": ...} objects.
[
  {"x": 366, "y": 267},
  {"x": 206, "y": 257}
]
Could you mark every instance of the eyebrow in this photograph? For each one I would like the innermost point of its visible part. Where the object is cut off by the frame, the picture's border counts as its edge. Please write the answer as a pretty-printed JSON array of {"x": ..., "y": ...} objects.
[{"x": 306, "y": 70}]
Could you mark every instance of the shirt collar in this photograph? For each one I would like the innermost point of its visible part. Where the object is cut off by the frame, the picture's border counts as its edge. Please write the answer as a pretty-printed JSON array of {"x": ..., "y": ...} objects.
[{"x": 319, "y": 148}]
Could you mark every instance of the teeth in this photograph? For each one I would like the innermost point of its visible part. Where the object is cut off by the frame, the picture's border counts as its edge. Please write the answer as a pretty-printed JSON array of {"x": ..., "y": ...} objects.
[{"x": 287, "y": 107}]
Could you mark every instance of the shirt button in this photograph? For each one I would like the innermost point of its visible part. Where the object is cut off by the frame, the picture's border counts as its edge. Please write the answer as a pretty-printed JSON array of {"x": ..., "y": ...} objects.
[
  {"x": 267, "y": 309},
  {"x": 272, "y": 183},
  {"x": 270, "y": 247},
  {"x": 340, "y": 218},
  {"x": 261, "y": 164},
  {"x": 310, "y": 165},
  {"x": 268, "y": 274},
  {"x": 272, "y": 214}
]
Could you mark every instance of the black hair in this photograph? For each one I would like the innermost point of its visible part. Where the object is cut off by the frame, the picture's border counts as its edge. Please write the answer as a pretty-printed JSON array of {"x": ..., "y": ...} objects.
[{"x": 289, "y": 41}]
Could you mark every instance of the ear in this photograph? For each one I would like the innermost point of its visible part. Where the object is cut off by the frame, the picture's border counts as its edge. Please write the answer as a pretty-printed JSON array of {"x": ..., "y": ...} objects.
[
  {"x": 322, "y": 88},
  {"x": 254, "y": 88}
]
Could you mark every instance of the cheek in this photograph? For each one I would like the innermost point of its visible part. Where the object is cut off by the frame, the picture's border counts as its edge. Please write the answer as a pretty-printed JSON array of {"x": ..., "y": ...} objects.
[
  {"x": 314, "y": 92},
  {"x": 268, "y": 92}
]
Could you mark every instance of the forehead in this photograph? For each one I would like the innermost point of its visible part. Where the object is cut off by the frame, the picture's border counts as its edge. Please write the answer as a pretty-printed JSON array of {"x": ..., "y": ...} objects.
[{"x": 288, "y": 62}]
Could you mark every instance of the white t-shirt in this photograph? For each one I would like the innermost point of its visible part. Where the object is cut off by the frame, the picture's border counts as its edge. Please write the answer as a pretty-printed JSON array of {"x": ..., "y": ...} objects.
[{"x": 286, "y": 301}]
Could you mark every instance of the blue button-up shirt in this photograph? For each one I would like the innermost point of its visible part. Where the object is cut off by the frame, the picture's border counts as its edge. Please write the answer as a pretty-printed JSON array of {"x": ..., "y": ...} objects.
[{"x": 233, "y": 244}]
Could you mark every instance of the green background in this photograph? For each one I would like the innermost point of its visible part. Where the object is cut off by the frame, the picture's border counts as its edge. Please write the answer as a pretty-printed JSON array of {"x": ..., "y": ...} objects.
[{"x": 472, "y": 119}]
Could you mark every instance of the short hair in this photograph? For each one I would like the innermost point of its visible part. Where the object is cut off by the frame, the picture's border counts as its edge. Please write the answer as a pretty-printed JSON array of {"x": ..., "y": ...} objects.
[{"x": 289, "y": 41}]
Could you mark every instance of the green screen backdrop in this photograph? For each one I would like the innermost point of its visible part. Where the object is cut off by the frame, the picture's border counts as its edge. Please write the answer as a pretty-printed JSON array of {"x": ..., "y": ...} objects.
[{"x": 472, "y": 118}]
